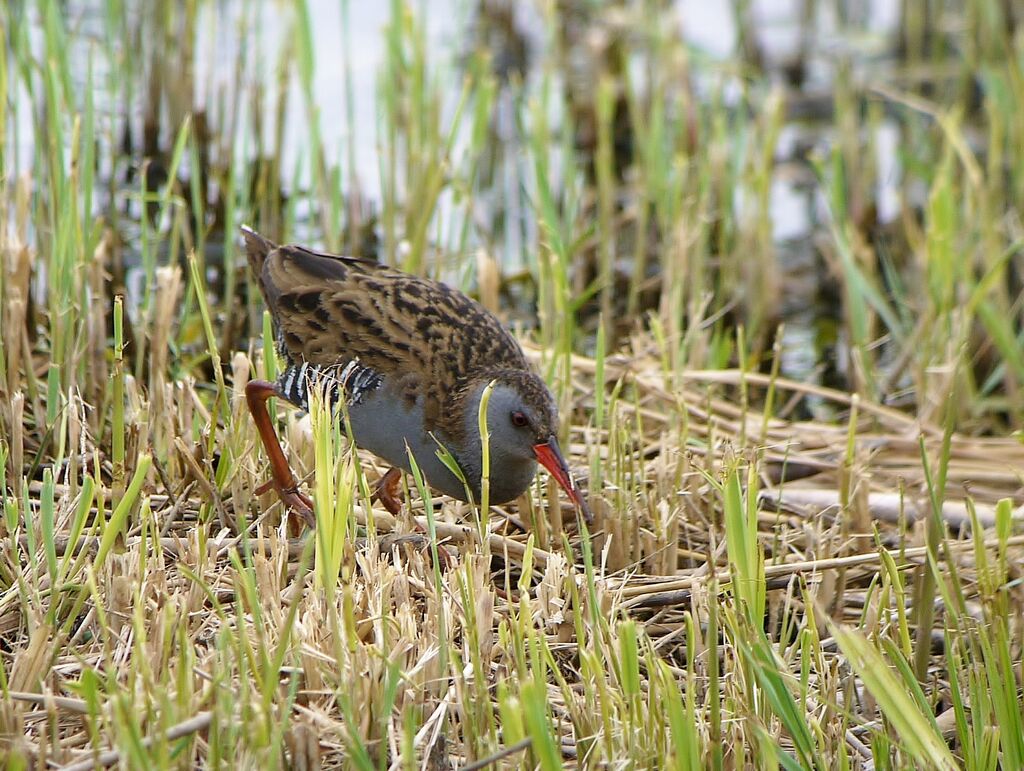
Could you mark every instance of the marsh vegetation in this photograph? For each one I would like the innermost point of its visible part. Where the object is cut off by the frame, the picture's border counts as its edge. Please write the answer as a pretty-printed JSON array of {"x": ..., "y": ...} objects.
[{"x": 768, "y": 260}]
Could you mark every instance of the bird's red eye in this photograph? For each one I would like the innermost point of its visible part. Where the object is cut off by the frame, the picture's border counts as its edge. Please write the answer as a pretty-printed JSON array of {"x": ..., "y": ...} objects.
[{"x": 519, "y": 419}]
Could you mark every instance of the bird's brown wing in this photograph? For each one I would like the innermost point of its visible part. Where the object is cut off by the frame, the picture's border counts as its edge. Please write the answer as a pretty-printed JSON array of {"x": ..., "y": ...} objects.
[{"x": 332, "y": 309}]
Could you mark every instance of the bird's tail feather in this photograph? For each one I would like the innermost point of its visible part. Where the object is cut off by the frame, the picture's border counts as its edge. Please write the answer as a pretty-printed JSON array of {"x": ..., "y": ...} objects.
[{"x": 257, "y": 248}]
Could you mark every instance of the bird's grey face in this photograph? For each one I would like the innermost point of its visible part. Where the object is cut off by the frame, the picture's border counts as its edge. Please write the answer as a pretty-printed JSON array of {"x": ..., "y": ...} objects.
[
  {"x": 518, "y": 422},
  {"x": 523, "y": 423}
]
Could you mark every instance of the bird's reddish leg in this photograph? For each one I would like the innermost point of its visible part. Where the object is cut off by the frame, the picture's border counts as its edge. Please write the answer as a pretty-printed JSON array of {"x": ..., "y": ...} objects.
[
  {"x": 387, "y": 491},
  {"x": 256, "y": 394}
]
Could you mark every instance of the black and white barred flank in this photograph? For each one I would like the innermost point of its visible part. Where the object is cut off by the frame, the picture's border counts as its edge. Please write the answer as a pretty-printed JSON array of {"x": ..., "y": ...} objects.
[{"x": 352, "y": 379}]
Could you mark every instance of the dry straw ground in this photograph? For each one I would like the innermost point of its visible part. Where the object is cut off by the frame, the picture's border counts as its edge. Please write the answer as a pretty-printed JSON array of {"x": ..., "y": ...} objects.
[{"x": 183, "y": 625}]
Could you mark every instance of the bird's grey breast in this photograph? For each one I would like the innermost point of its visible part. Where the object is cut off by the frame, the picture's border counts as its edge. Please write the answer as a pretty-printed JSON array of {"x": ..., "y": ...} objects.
[
  {"x": 390, "y": 425},
  {"x": 381, "y": 417}
]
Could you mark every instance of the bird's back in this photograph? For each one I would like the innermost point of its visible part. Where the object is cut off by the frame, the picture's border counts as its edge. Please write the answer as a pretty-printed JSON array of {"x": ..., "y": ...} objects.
[{"x": 365, "y": 324}]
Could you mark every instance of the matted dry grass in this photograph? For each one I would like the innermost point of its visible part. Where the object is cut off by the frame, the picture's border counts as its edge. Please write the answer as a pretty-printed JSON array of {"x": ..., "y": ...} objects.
[{"x": 192, "y": 630}]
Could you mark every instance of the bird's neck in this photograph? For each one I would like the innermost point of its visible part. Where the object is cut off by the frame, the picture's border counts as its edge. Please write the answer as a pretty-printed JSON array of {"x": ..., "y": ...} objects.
[{"x": 470, "y": 449}]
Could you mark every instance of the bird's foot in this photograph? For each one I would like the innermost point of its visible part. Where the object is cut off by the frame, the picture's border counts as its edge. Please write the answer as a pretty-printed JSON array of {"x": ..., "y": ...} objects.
[
  {"x": 388, "y": 493},
  {"x": 294, "y": 501},
  {"x": 447, "y": 555}
]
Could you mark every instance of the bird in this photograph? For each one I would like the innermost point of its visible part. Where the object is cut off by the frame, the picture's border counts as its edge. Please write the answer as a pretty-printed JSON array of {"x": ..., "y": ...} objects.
[{"x": 411, "y": 358}]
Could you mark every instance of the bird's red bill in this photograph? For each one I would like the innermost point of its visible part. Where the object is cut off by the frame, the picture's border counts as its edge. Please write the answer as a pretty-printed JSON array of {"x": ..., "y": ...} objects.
[{"x": 550, "y": 457}]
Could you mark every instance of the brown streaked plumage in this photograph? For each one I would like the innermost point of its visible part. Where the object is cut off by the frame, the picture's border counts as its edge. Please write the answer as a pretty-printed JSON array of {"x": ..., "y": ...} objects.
[
  {"x": 411, "y": 356},
  {"x": 332, "y": 309}
]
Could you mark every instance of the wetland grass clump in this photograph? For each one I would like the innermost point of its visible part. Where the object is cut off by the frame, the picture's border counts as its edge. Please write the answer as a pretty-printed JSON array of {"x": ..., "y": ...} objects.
[{"x": 792, "y": 564}]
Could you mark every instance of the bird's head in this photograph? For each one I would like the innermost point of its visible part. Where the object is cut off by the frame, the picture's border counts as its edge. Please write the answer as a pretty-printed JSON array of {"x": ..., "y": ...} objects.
[{"x": 522, "y": 421}]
